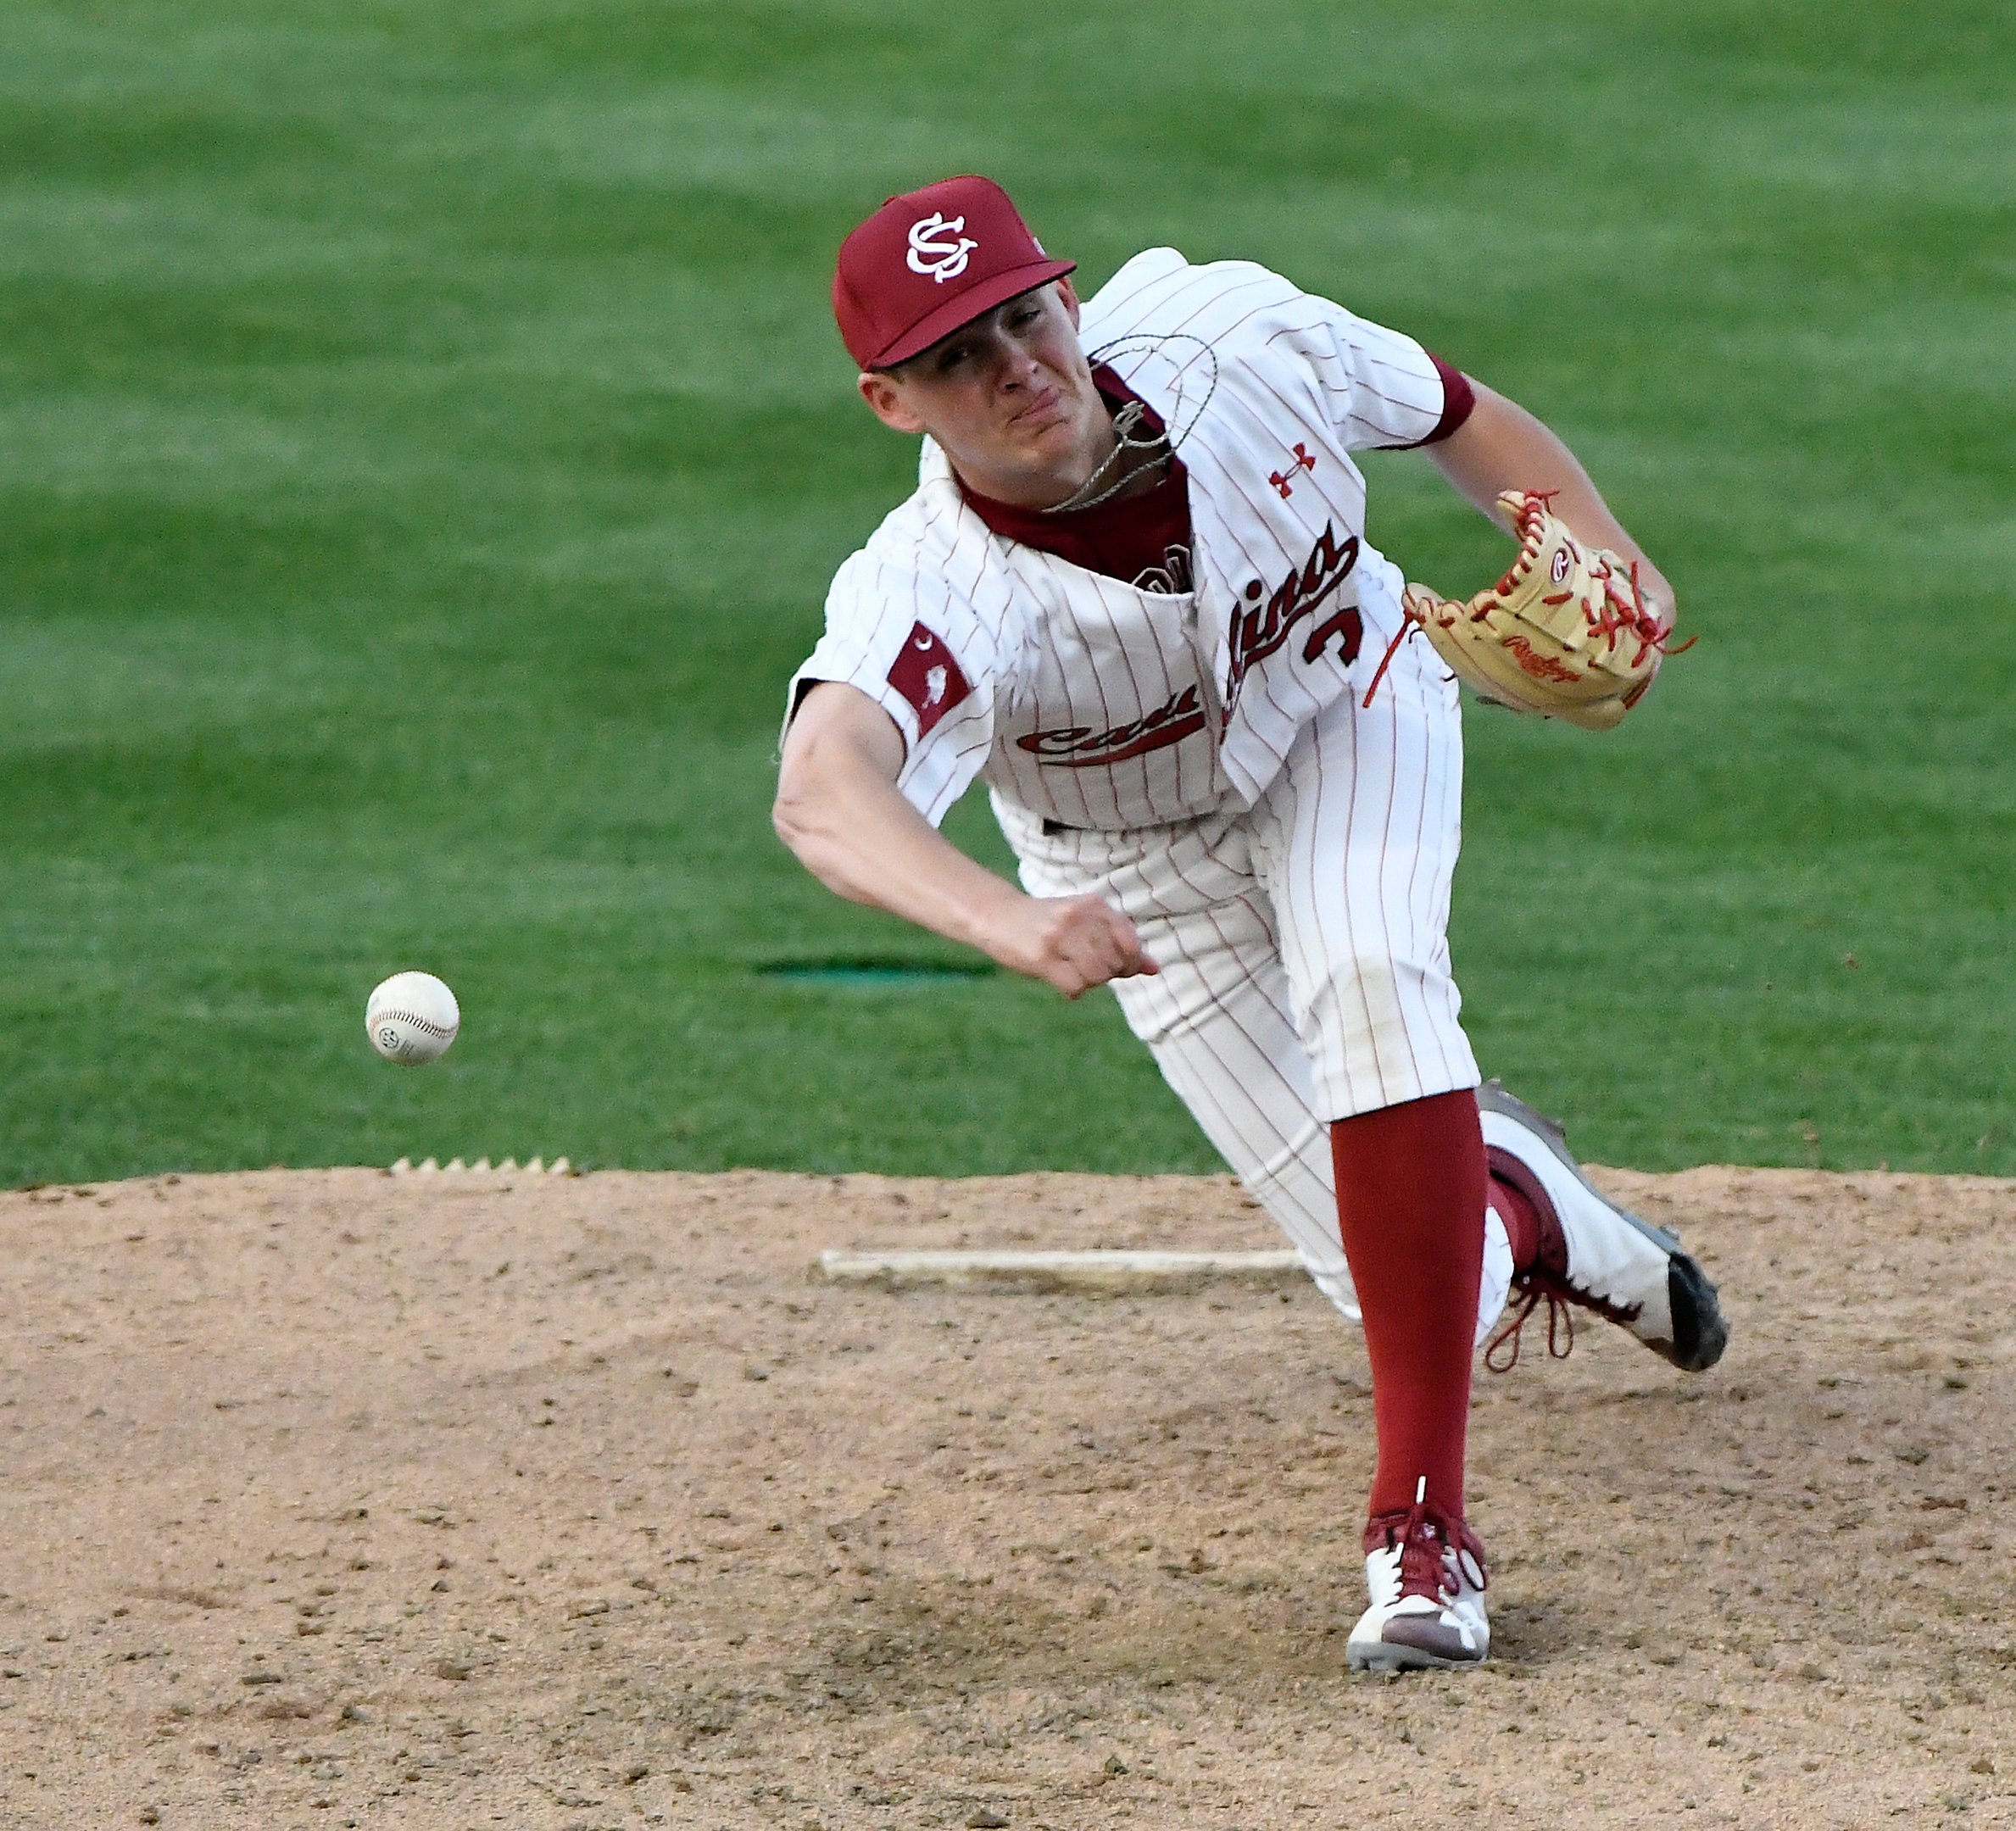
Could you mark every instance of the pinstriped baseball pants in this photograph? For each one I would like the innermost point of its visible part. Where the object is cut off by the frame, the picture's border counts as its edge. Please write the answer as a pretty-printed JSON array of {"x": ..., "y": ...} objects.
[{"x": 1302, "y": 943}]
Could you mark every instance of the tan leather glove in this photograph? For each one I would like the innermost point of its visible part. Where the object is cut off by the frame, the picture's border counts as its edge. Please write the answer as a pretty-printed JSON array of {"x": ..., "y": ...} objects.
[{"x": 1565, "y": 634}]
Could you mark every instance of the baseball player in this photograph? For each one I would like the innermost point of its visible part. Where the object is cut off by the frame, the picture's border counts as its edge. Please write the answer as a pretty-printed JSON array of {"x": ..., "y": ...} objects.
[{"x": 1132, "y": 593}]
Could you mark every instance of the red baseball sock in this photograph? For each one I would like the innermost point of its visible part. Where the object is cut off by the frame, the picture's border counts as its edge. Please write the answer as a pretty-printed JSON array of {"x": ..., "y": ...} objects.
[
  {"x": 1515, "y": 1209},
  {"x": 1411, "y": 1189}
]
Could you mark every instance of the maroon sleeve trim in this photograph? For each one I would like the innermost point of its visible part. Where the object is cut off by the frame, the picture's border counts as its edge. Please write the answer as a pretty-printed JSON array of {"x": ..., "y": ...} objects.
[{"x": 1458, "y": 399}]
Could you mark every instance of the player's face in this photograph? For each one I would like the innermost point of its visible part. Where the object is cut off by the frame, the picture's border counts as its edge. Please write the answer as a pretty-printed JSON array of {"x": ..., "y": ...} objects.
[{"x": 1009, "y": 397}]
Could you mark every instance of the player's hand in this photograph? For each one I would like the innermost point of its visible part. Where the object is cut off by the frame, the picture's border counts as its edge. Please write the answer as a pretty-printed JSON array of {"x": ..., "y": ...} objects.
[{"x": 1071, "y": 942}]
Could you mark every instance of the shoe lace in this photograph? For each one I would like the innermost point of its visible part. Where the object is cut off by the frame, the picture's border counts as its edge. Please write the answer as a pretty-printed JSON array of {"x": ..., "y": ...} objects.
[
  {"x": 1563, "y": 1300},
  {"x": 1560, "y": 1328},
  {"x": 1435, "y": 1551},
  {"x": 1545, "y": 1281}
]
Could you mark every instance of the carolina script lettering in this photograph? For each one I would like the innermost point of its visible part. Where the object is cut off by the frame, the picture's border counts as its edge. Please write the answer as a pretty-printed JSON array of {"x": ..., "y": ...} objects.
[
  {"x": 1080, "y": 747},
  {"x": 1258, "y": 632}
]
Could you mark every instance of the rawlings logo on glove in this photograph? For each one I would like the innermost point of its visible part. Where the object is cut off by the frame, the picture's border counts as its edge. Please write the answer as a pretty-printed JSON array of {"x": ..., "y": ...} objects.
[{"x": 1565, "y": 634}]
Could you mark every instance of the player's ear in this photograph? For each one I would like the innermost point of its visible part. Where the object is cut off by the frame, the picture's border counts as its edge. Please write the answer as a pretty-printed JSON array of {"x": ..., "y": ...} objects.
[
  {"x": 885, "y": 401},
  {"x": 1069, "y": 294}
]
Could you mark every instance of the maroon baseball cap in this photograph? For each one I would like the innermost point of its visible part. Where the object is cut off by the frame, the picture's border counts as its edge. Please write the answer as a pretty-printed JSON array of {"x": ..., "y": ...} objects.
[{"x": 930, "y": 261}]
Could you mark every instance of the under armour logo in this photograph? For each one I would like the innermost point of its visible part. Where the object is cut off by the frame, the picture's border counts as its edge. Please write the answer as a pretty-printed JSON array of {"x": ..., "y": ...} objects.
[
  {"x": 1283, "y": 479},
  {"x": 945, "y": 257}
]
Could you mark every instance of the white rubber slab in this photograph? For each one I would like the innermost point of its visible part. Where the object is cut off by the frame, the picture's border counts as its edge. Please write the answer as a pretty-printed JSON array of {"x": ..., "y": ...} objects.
[{"x": 1058, "y": 1270}]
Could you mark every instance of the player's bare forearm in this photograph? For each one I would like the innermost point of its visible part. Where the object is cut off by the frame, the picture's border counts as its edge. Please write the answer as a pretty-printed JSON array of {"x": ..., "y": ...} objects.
[
  {"x": 1502, "y": 447},
  {"x": 839, "y": 811}
]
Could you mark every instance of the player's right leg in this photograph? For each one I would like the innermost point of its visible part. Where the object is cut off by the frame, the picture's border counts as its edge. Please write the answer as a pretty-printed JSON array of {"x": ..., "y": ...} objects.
[
  {"x": 1215, "y": 1016},
  {"x": 1217, "y": 1020},
  {"x": 1574, "y": 1246}
]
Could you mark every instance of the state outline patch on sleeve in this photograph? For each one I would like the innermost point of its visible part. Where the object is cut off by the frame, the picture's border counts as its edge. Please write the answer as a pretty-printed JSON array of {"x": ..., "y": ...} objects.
[{"x": 928, "y": 677}]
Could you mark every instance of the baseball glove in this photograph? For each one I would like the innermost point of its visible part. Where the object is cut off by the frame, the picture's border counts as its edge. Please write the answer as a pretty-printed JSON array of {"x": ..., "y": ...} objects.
[{"x": 1565, "y": 634}]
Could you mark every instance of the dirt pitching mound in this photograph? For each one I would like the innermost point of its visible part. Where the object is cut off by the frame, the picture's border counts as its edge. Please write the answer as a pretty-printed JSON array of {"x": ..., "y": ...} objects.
[{"x": 343, "y": 1499}]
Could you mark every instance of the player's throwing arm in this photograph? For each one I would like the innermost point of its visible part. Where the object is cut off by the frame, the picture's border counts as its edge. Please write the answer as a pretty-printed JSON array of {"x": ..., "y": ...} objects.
[{"x": 839, "y": 811}]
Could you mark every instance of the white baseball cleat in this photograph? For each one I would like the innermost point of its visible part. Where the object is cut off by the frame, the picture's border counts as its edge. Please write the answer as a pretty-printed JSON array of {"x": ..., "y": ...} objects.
[
  {"x": 1594, "y": 1253},
  {"x": 1427, "y": 1581}
]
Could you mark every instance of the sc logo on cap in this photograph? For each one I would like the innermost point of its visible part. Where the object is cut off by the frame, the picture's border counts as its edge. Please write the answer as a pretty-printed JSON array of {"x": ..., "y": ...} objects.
[{"x": 945, "y": 257}]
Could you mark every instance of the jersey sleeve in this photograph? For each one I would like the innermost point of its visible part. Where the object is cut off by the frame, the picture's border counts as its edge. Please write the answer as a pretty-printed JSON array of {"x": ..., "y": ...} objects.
[
  {"x": 924, "y": 654},
  {"x": 1381, "y": 389},
  {"x": 1378, "y": 388}
]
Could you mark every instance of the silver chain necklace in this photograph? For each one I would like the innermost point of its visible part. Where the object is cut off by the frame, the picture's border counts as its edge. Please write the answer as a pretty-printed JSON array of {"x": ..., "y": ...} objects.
[{"x": 1156, "y": 451}]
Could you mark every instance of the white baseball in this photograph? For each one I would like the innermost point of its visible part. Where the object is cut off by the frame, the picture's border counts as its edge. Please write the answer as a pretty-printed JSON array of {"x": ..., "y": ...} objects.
[{"x": 412, "y": 1018}]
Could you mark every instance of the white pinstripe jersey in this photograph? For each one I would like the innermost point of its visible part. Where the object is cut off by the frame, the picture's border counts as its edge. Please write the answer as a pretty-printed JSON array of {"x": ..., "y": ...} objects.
[{"x": 1106, "y": 706}]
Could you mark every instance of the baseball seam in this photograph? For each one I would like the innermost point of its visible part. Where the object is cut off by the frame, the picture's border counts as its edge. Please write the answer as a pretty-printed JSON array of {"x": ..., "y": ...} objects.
[{"x": 414, "y": 1018}]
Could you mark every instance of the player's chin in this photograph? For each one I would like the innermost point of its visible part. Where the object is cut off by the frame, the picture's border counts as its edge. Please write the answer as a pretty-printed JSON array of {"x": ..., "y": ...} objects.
[{"x": 1046, "y": 459}]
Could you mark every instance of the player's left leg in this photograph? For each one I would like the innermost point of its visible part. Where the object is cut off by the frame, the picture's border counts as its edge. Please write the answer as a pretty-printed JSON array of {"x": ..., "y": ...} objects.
[
  {"x": 1411, "y": 1199},
  {"x": 1357, "y": 842}
]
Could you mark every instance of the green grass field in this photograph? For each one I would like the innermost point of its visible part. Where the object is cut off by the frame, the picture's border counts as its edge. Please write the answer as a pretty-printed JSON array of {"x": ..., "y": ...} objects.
[{"x": 423, "y": 445}]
